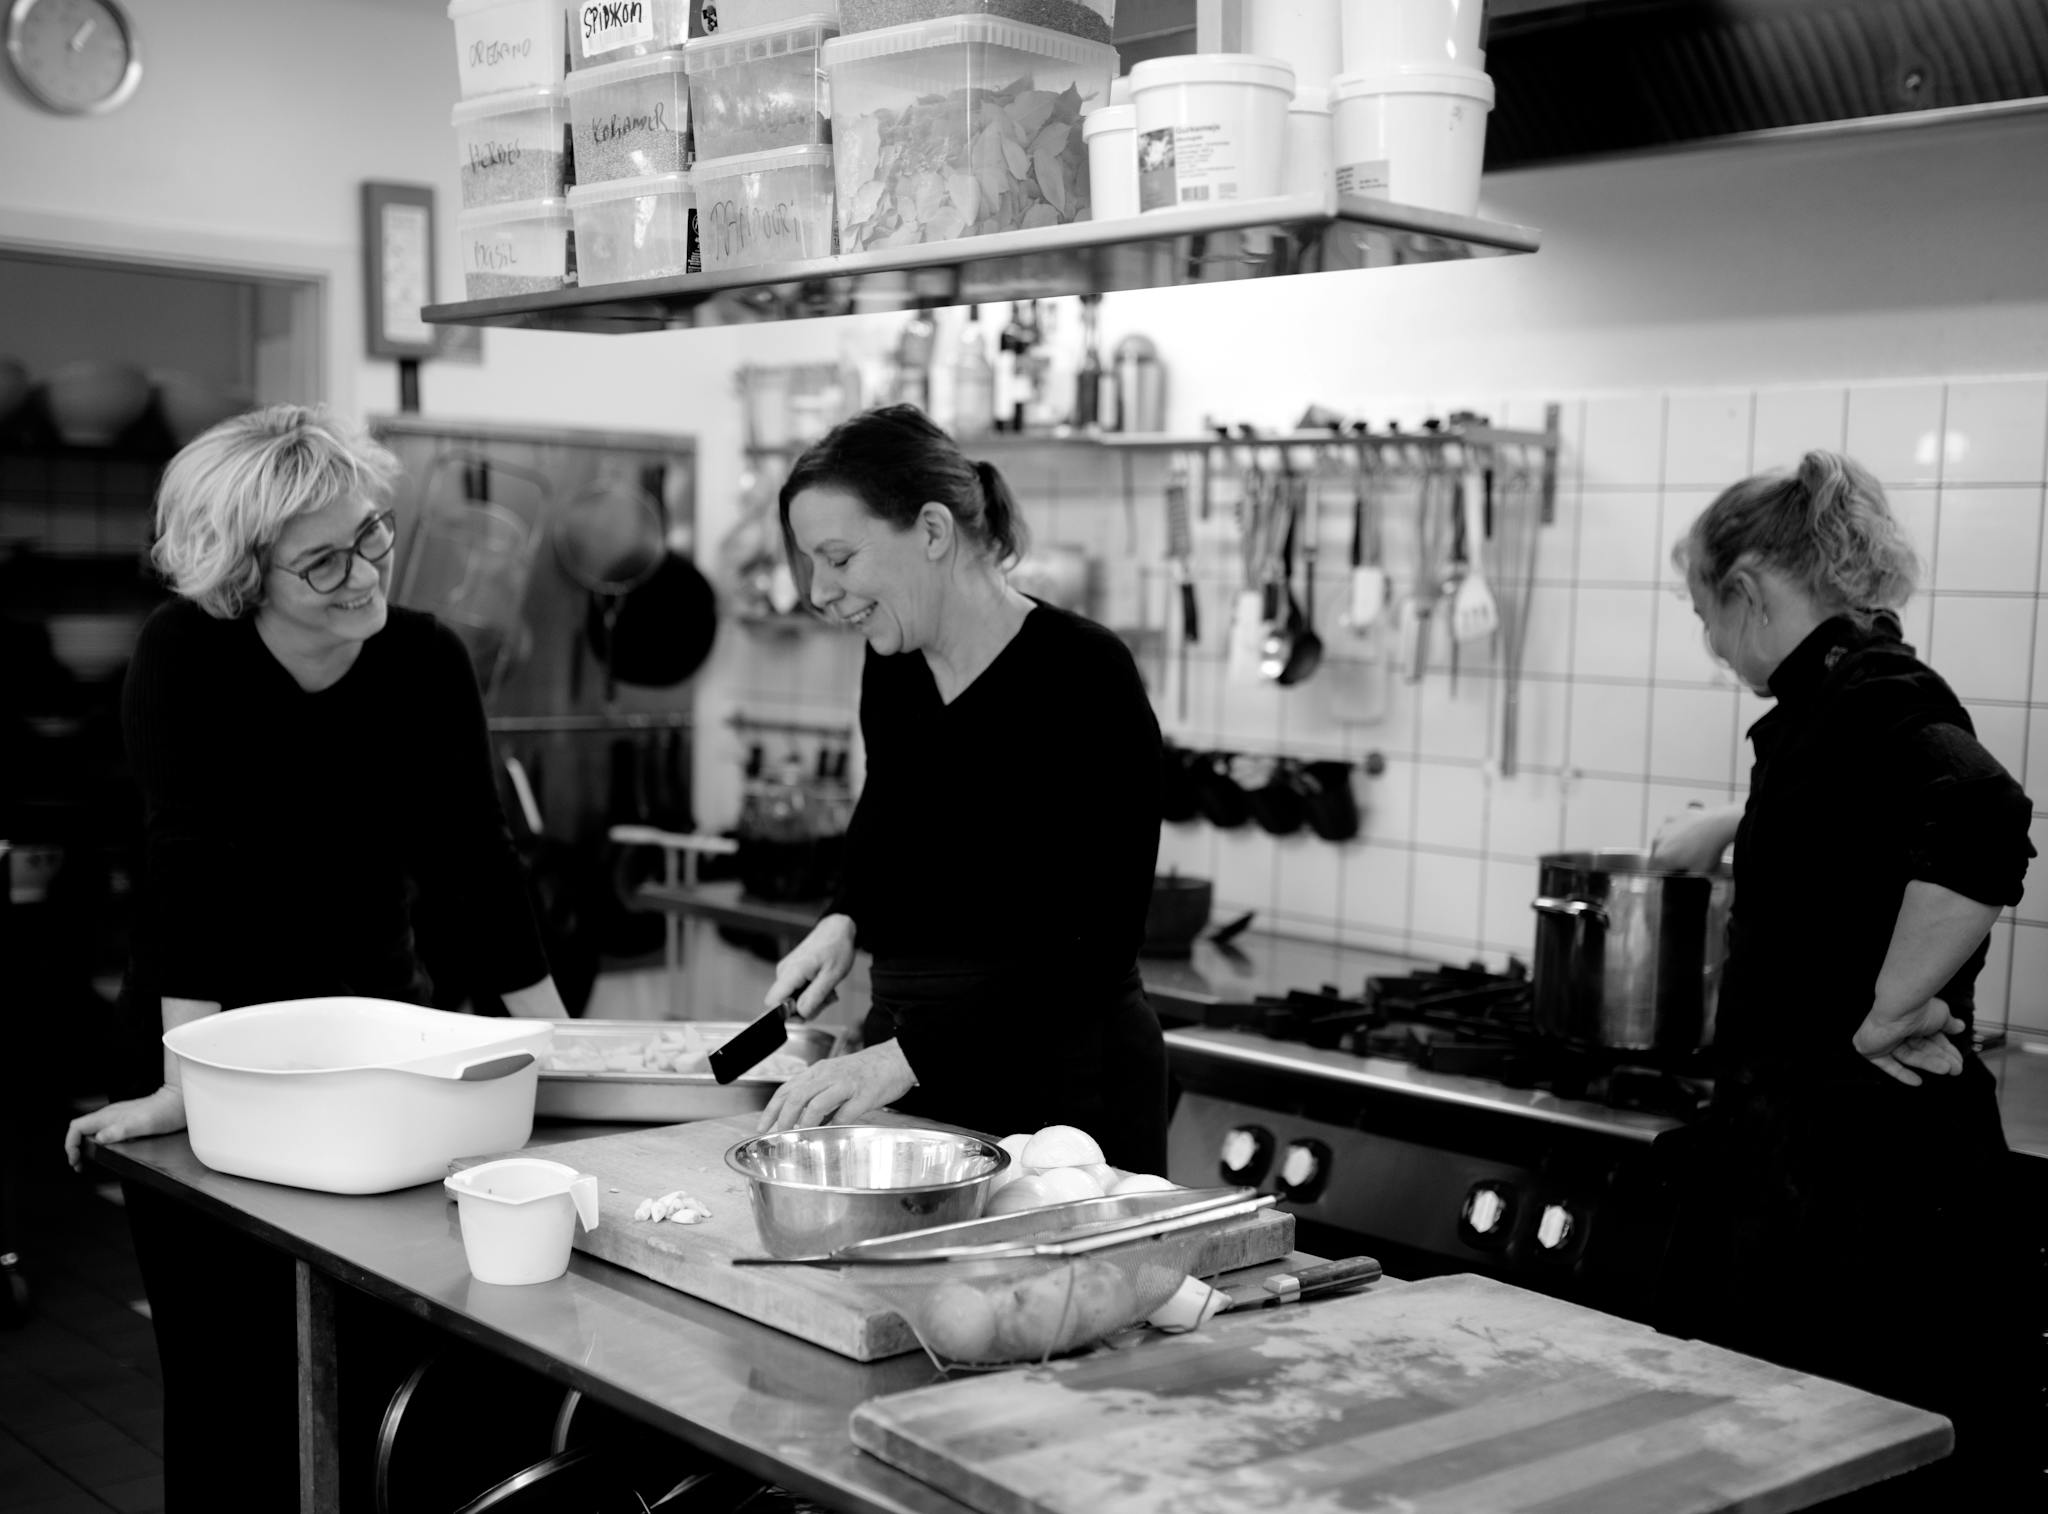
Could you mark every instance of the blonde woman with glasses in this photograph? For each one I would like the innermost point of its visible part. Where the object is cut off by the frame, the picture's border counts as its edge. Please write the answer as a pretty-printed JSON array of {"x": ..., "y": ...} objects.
[{"x": 311, "y": 758}]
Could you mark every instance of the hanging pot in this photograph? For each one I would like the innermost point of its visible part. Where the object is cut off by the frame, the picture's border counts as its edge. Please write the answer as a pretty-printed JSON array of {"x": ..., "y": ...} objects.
[{"x": 661, "y": 632}]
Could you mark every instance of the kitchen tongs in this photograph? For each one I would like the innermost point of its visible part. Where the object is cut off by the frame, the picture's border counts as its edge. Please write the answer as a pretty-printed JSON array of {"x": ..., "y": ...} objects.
[{"x": 1082, "y": 1226}]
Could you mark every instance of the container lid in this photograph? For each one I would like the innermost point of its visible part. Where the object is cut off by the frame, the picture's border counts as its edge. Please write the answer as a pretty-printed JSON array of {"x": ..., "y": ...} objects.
[
  {"x": 803, "y": 155},
  {"x": 723, "y": 49},
  {"x": 667, "y": 61},
  {"x": 509, "y": 102},
  {"x": 631, "y": 188},
  {"x": 1442, "y": 79},
  {"x": 951, "y": 31},
  {"x": 514, "y": 210},
  {"x": 1314, "y": 97},
  {"x": 471, "y": 7},
  {"x": 1213, "y": 68},
  {"x": 1108, "y": 118}
]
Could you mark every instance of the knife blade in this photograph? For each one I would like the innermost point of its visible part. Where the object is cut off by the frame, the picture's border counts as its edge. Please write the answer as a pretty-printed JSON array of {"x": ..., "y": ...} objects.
[
  {"x": 1288, "y": 1287},
  {"x": 763, "y": 1038}
]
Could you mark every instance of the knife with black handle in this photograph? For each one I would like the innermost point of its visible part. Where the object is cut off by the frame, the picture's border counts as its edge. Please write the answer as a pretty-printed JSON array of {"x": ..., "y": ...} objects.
[
  {"x": 760, "y": 1040},
  {"x": 1289, "y": 1287}
]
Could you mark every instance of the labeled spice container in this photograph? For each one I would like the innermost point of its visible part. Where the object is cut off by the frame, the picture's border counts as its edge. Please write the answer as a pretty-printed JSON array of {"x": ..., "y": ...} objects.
[
  {"x": 643, "y": 228},
  {"x": 521, "y": 247},
  {"x": 630, "y": 118},
  {"x": 610, "y": 31},
  {"x": 508, "y": 44},
  {"x": 753, "y": 91},
  {"x": 513, "y": 146},
  {"x": 1212, "y": 127},
  {"x": 961, "y": 127},
  {"x": 1416, "y": 138},
  {"x": 1094, "y": 20},
  {"x": 765, "y": 207}
]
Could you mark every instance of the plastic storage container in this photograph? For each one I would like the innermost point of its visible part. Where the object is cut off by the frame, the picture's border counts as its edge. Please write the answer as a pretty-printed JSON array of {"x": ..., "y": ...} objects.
[
  {"x": 1211, "y": 127},
  {"x": 1306, "y": 35},
  {"x": 519, "y": 1217},
  {"x": 604, "y": 31},
  {"x": 509, "y": 44},
  {"x": 960, "y": 127},
  {"x": 1092, "y": 20},
  {"x": 765, "y": 207},
  {"x": 316, "y": 1093},
  {"x": 1416, "y": 138},
  {"x": 1111, "y": 132},
  {"x": 514, "y": 146},
  {"x": 630, "y": 118},
  {"x": 642, "y": 228},
  {"x": 755, "y": 91},
  {"x": 746, "y": 15},
  {"x": 1387, "y": 34},
  {"x": 520, "y": 247},
  {"x": 1311, "y": 165}
]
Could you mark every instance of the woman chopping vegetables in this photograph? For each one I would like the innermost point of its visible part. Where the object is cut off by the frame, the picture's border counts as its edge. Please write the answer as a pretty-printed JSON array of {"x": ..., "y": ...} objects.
[
  {"x": 1001, "y": 856},
  {"x": 1850, "y": 1194}
]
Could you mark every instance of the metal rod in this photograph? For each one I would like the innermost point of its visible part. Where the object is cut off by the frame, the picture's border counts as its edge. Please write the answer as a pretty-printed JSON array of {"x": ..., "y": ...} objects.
[
  {"x": 637, "y": 720},
  {"x": 788, "y": 727}
]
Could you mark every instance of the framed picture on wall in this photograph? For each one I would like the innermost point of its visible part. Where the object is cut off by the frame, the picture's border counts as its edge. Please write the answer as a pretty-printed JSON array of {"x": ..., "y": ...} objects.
[{"x": 398, "y": 269}]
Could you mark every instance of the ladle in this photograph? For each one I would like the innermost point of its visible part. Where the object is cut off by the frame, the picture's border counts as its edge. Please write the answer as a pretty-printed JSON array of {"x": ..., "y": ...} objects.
[{"x": 1307, "y": 653}]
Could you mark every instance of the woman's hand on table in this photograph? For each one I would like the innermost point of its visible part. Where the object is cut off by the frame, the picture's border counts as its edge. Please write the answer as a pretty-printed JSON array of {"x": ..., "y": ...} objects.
[
  {"x": 815, "y": 967},
  {"x": 1899, "y": 1044},
  {"x": 155, "y": 1114},
  {"x": 841, "y": 1090}
]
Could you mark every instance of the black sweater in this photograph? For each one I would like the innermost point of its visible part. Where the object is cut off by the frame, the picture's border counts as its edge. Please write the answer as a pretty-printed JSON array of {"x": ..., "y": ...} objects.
[
  {"x": 1017, "y": 825},
  {"x": 287, "y": 829}
]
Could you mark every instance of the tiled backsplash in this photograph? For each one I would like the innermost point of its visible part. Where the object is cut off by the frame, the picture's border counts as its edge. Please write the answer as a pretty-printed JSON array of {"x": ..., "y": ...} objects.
[{"x": 1623, "y": 717}]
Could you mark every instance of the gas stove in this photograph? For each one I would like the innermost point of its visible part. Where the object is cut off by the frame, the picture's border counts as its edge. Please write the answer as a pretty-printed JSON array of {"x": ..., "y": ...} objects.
[{"x": 1424, "y": 1120}]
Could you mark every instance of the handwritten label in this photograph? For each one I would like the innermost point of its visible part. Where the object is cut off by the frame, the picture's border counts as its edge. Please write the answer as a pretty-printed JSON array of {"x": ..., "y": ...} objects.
[
  {"x": 492, "y": 154},
  {"x": 736, "y": 228},
  {"x": 606, "y": 25},
  {"x": 621, "y": 126},
  {"x": 493, "y": 257},
  {"x": 490, "y": 52}
]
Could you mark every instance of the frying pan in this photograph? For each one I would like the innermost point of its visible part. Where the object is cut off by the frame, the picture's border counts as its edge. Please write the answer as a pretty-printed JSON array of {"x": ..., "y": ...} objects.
[{"x": 664, "y": 627}]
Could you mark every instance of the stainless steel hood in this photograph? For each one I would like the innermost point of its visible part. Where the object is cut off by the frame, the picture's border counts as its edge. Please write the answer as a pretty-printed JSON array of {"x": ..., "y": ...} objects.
[{"x": 1579, "y": 78}]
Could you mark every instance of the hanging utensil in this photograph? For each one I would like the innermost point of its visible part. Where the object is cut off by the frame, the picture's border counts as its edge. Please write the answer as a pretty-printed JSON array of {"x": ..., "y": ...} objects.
[
  {"x": 608, "y": 539},
  {"x": 1180, "y": 548},
  {"x": 1473, "y": 613},
  {"x": 1307, "y": 654},
  {"x": 1283, "y": 613},
  {"x": 1519, "y": 508},
  {"x": 1368, "y": 595},
  {"x": 1247, "y": 621},
  {"x": 1421, "y": 602}
]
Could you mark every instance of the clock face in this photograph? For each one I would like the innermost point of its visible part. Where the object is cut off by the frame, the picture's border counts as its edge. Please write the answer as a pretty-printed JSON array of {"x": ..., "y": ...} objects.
[{"x": 76, "y": 56}]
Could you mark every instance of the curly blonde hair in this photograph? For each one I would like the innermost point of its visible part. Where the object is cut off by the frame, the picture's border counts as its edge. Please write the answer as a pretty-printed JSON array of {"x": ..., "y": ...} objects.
[
  {"x": 1825, "y": 525},
  {"x": 226, "y": 497}
]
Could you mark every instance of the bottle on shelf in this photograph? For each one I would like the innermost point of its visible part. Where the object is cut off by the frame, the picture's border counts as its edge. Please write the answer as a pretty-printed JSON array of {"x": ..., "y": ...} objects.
[
  {"x": 974, "y": 381},
  {"x": 1088, "y": 383},
  {"x": 914, "y": 361},
  {"x": 1014, "y": 372}
]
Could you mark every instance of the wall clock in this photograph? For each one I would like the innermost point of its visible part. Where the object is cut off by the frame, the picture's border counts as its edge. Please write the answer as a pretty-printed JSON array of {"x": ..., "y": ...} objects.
[{"x": 75, "y": 56}]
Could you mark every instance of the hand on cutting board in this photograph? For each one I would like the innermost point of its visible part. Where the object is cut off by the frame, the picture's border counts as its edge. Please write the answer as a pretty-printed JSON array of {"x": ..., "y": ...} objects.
[
  {"x": 1898, "y": 1044},
  {"x": 820, "y": 960},
  {"x": 841, "y": 1090},
  {"x": 159, "y": 1113}
]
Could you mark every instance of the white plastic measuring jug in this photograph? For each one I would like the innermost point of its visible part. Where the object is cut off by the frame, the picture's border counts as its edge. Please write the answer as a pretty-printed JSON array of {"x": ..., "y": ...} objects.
[{"x": 519, "y": 1215}]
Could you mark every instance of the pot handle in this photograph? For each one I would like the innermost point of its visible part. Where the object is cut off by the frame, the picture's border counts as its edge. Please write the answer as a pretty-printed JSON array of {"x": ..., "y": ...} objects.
[{"x": 1585, "y": 911}]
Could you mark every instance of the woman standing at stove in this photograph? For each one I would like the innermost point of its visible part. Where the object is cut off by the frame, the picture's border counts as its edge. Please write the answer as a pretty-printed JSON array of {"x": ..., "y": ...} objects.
[
  {"x": 1850, "y": 1198},
  {"x": 1000, "y": 860}
]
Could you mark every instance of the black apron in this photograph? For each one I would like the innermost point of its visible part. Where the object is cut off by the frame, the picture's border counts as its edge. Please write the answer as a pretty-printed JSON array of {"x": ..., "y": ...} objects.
[{"x": 1003, "y": 1048}]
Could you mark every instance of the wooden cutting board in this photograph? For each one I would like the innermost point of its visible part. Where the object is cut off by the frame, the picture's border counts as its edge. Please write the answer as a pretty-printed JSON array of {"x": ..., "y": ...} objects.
[
  {"x": 1453, "y": 1394},
  {"x": 812, "y": 1302}
]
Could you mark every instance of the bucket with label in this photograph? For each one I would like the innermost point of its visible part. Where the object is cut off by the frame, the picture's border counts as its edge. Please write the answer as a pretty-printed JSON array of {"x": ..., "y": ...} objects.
[
  {"x": 1212, "y": 127},
  {"x": 1414, "y": 138}
]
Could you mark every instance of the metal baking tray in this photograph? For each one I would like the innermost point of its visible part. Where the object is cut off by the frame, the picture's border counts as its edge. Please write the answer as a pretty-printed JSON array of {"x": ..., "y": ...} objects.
[{"x": 644, "y": 1095}]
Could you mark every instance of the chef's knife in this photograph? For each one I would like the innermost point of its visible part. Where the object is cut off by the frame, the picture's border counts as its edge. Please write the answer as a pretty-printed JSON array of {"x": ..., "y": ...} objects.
[
  {"x": 1287, "y": 1287},
  {"x": 759, "y": 1040}
]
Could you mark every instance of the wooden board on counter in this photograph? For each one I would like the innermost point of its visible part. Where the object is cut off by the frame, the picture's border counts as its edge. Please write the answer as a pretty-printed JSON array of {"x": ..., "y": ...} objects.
[
  {"x": 815, "y": 1303},
  {"x": 1455, "y": 1393}
]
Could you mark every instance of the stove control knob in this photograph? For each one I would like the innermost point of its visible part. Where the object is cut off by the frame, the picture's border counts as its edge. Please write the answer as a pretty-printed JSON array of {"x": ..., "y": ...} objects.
[
  {"x": 1304, "y": 1169},
  {"x": 1484, "y": 1218},
  {"x": 1554, "y": 1227},
  {"x": 1247, "y": 1152}
]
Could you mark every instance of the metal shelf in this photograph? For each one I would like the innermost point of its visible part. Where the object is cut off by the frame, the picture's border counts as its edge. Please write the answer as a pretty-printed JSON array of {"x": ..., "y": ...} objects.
[{"x": 1286, "y": 235}]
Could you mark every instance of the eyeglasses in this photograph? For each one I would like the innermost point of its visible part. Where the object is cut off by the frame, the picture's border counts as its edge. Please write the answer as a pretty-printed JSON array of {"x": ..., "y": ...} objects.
[{"x": 330, "y": 570}]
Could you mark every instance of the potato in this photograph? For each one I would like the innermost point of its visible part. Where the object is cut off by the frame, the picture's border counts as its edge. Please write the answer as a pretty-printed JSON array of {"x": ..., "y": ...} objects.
[
  {"x": 1066, "y": 1184},
  {"x": 1103, "y": 1303},
  {"x": 958, "y": 1322},
  {"x": 1031, "y": 1317}
]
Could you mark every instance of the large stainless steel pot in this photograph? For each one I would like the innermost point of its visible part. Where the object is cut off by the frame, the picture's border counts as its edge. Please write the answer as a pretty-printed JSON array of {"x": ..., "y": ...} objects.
[{"x": 1628, "y": 955}]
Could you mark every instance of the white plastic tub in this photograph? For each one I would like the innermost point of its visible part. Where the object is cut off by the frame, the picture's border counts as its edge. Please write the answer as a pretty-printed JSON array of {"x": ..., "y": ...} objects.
[
  {"x": 1311, "y": 165},
  {"x": 1415, "y": 138},
  {"x": 1111, "y": 132},
  {"x": 520, "y": 247},
  {"x": 755, "y": 91},
  {"x": 1306, "y": 35},
  {"x": 1211, "y": 127},
  {"x": 311, "y": 1093},
  {"x": 605, "y": 31},
  {"x": 1385, "y": 34},
  {"x": 519, "y": 1218},
  {"x": 961, "y": 127},
  {"x": 765, "y": 207},
  {"x": 508, "y": 44},
  {"x": 634, "y": 228},
  {"x": 513, "y": 146},
  {"x": 630, "y": 118}
]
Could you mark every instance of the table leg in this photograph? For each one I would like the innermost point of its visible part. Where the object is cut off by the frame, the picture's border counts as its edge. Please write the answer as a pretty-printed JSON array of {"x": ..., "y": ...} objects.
[{"x": 319, "y": 1396}]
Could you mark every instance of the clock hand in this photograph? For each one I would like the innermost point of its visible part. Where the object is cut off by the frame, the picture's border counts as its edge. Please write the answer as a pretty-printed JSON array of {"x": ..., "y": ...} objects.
[{"x": 79, "y": 39}]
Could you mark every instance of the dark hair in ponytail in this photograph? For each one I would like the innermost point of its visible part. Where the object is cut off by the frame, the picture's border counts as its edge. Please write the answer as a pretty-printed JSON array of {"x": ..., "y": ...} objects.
[
  {"x": 1825, "y": 525},
  {"x": 895, "y": 461}
]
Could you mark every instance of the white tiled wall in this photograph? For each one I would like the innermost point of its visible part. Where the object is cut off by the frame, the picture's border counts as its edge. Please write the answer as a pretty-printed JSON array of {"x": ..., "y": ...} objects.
[{"x": 1624, "y": 720}]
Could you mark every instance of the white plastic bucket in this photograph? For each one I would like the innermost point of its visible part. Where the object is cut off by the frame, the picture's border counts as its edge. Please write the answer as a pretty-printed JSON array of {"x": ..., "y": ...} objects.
[
  {"x": 1382, "y": 34},
  {"x": 1111, "y": 132},
  {"x": 1311, "y": 144},
  {"x": 1212, "y": 127},
  {"x": 519, "y": 1217},
  {"x": 1306, "y": 35},
  {"x": 1415, "y": 138}
]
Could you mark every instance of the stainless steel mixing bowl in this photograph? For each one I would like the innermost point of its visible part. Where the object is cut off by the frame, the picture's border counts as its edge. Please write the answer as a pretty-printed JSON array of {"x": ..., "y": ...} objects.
[{"x": 818, "y": 1189}]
